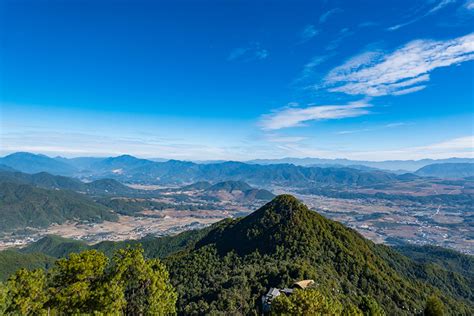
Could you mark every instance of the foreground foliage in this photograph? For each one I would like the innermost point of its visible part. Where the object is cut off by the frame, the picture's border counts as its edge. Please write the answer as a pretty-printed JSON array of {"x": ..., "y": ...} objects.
[{"x": 90, "y": 283}]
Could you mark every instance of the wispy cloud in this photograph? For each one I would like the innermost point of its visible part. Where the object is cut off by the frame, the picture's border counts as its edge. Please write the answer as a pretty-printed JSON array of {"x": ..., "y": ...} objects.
[
  {"x": 457, "y": 147},
  {"x": 291, "y": 116},
  {"x": 354, "y": 131},
  {"x": 461, "y": 143},
  {"x": 343, "y": 33},
  {"x": 400, "y": 72},
  {"x": 252, "y": 52},
  {"x": 308, "y": 33},
  {"x": 440, "y": 5},
  {"x": 309, "y": 68},
  {"x": 274, "y": 138},
  {"x": 469, "y": 4},
  {"x": 362, "y": 130},
  {"x": 397, "y": 124},
  {"x": 326, "y": 15}
]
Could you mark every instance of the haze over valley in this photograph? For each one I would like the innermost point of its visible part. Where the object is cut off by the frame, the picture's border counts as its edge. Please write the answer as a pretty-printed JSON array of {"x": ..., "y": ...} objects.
[{"x": 130, "y": 198}]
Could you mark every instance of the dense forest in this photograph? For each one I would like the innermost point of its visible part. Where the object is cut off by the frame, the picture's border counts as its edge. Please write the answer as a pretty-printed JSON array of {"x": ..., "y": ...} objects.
[{"x": 227, "y": 267}]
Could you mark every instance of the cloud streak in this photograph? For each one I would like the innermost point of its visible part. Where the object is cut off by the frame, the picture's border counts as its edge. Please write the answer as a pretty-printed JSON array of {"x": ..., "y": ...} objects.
[
  {"x": 326, "y": 15},
  {"x": 469, "y": 4},
  {"x": 403, "y": 71},
  {"x": 308, "y": 33},
  {"x": 436, "y": 8},
  {"x": 292, "y": 117},
  {"x": 252, "y": 52}
]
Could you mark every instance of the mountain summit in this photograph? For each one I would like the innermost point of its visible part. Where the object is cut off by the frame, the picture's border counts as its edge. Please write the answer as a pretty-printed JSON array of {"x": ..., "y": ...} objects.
[{"x": 284, "y": 241}]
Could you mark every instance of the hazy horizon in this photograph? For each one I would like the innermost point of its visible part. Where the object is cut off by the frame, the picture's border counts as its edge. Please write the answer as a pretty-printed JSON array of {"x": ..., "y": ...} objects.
[{"x": 218, "y": 160}]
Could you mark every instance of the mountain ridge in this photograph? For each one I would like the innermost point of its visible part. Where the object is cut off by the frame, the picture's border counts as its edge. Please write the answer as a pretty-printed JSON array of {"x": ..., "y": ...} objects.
[
  {"x": 447, "y": 170},
  {"x": 127, "y": 168}
]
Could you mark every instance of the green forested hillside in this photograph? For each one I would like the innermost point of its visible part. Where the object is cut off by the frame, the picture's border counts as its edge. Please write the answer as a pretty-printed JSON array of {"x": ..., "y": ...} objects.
[
  {"x": 24, "y": 205},
  {"x": 226, "y": 267},
  {"x": 11, "y": 260},
  {"x": 448, "y": 259},
  {"x": 48, "y": 181}
]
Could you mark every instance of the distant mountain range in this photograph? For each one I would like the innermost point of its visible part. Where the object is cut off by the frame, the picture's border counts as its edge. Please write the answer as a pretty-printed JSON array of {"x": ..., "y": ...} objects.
[
  {"x": 130, "y": 169},
  {"x": 32, "y": 163},
  {"x": 390, "y": 165},
  {"x": 447, "y": 170}
]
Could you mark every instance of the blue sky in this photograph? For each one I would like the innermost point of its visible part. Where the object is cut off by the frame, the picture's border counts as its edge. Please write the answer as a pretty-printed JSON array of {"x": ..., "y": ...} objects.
[{"x": 238, "y": 80}]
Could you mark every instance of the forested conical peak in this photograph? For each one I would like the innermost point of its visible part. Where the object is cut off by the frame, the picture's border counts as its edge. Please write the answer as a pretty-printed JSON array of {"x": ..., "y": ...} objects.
[
  {"x": 283, "y": 210},
  {"x": 272, "y": 225},
  {"x": 285, "y": 205}
]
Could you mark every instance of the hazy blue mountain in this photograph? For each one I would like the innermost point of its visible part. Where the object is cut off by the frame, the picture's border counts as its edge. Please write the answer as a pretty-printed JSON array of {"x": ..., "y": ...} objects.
[
  {"x": 80, "y": 163},
  {"x": 447, "y": 170},
  {"x": 230, "y": 186},
  {"x": 392, "y": 165},
  {"x": 130, "y": 169},
  {"x": 119, "y": 164},
  {"x": 6, "y": 168},
  {"x": 31, "y": 163}
]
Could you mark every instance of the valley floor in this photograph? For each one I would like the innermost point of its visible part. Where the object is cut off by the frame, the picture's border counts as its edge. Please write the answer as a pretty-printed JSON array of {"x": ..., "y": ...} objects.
[{"x": 157, "y": 223}]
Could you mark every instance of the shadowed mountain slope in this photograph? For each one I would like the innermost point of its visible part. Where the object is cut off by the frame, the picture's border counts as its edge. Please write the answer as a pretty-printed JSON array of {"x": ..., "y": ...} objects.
[{"x": 23, "y": 205}]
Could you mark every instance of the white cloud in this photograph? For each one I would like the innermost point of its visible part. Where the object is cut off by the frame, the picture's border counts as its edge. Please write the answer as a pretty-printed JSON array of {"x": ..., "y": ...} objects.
[
  {"x": 390, "y": 125},
  {"x": 400, "y": 72},
  {"x": 326, "y": 15},
  {"x": 308, "y": 33},
  {"x": 469, "y": 4},
  {"x": 284, "y": 139},
  {"x": 466, "y": 143},
  {"x": 436, "y": 8},
  {"x": 397, "y": 124},
  {"x": 343, "y": 33},
  {"x": 291, "y": 117},
  {"x": 440, "y": 6},
  {"x": 354, "y": 131},
  {"x": 309, "y": 68},
  {"x": 457, "y": 147},
  {"x": 252, "y": 52}
]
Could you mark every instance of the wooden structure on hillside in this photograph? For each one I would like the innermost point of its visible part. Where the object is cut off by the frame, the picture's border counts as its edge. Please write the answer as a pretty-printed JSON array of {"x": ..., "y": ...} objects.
[{"x": 275, "y": 292}]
